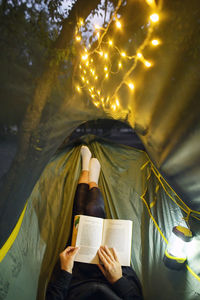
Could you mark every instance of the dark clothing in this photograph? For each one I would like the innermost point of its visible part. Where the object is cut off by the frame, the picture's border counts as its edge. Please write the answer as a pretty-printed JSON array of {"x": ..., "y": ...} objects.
[
  {"x": 87, "y": 281},
  {"x": 95, "y": 287}
]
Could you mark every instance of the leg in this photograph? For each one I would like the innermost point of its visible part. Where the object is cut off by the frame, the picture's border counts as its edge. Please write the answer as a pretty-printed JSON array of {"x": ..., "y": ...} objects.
[
  {"x": 83, "y": 184},
  {"x": 95, "y": 203}
]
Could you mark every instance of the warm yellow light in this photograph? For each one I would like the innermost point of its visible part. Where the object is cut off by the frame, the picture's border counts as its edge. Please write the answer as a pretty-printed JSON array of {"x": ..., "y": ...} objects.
[
  {"x": 98, "y": 35},
  {"x": 98, "y": 92},
  {"x": 83, "y": 78},
  {"x": 92, "y": 88},
  {"x": 119, "y": 64},
  {"x": 154, "y": 18},
  {"x": 105, "y": 69},
  {"x": 101, "y": 53},
  {"x": 92, "y": 96},
  {"x": 81, "y": 22},
  {"x": 96, "y": 77},
  {"x": 97, "y": 26},
  {"x": 139, "y": 55},
  {"x": 84, "y": 57},
  {"x": 147, "y": 64},
  {"x": 96, "y": 104},
  {"x": 93, "y": 72},
  {"x": 151, "y": 2},
  {"x": 84, "y": 71},
  {"x": 91, "y": 59},
  {"x": 117, "y": 102},
  {"x": 80, "y": 67},
  {"x": 86, "y": 50},
  {"x": 87, "y": 63},
  {"x": 105, "y": 55},
  {"x": 113, "y": 107},
  {"x": 106, "y": 75},
  {"x": 78, "y": 88},
  {"x": 131, "y": 86},
  {"x": 102, "y": 99},
  {"x": 110, "y": 43},
  {"x": 118, "y": 24},
  {"x": 87, "y": 81},
  {"x": 155, "y": 42},
  {"x": 123, "y": 54},
  {"x": 78, "y": 38}
]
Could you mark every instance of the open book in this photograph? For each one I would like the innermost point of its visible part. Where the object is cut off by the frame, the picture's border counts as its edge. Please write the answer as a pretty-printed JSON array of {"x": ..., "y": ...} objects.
[{"x": 89, "y": 233}]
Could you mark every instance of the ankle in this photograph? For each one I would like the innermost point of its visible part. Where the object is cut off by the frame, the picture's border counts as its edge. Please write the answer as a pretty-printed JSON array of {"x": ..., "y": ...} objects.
[
  {"x": 84, "y": 177},
  {"x": 92, "y": 184}
]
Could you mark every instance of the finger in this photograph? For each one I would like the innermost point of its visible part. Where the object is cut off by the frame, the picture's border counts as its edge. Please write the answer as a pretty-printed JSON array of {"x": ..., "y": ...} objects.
[
  {"x": 102, "y": 269},
  {"x": 74, "y": 251},
  {"x": 109, "y": 253},
  {"x": 105, "y": 255},
  {"x": 115, "y": 255},
  {"x": 103, "y": 259}
]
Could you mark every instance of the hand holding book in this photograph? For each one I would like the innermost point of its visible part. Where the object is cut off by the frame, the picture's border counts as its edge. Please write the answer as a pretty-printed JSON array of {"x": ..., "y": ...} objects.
[{"x": 111, "y": 267}]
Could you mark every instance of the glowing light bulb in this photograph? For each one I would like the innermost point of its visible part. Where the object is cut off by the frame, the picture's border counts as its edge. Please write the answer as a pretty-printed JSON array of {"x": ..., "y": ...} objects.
[
  {"x": 105, "y": 69},
  {"x": 96, "y": 104},
  {"x": 118, "y": 24},
  {"x": 131, "y": 86},
  {"x": 91, "y": 59},
  {"x": 102, "y": 99},
  {"x": 101, "y": 53},
  {"x": 96, "y": 77},
  {"x": 84, "y": 57},
  {"x": 81, "y": 22},
  {"x": 80, "y": 67},
  {"x": 85, "y": 49},
  {"x": 92, "y": 96},
  {"x": 87, "y": 63},
  {"x": 98, "y": 92},
  {"x": 155, "y": 42},
  {"x": 87, "y": 81},
  {"x": 110, "y": 43},
  {"x": 92, "y": 88},
  {"x": 120, "y": 65},
  {"x": 78, "y": 88},
  {"x": 97, "y": 26},
  {"x": 106, "y": 76},
  {"x": 84, "y": 71},
  {"x": 147, "y": 64},
  {"x": 113, "y": 107},
  {"x": 98, "y": 35},
  {"x": 154, "y": 18},
  {"x": 123, "y": 54},
  {"x": 83, "y": 78},
  {"x": 117, "y": 102},
  {"x": 78, "y": 38},
  {"x": 139, "y": 55},
  {"x": 105, "y": 55}
]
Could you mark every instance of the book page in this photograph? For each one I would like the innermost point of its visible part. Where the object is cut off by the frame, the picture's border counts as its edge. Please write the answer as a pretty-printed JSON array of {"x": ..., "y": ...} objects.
[
  {"x": 118, "y": 234},
  {"x": 89, "y": 238}
]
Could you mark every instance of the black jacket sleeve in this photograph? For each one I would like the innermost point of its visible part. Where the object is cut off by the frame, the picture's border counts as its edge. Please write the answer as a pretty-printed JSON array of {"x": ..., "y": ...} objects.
[
  {"x": 58, "y": 290},
  {"x": 127, "y": 289}
]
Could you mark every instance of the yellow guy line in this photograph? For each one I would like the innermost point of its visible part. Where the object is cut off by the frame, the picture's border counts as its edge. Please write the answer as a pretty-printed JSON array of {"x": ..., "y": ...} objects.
[
  {"x": 187, "y": 210},
  {"x": 6, "y": 247}
]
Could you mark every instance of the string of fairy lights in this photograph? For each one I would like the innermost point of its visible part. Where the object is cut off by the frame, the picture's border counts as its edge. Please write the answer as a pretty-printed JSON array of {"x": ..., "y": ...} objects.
[{"x": 92, "y": 79}]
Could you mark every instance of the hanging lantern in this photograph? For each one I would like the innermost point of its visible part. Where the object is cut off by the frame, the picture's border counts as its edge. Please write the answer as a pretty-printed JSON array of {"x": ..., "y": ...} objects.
[{"x": 175, "y": 255}]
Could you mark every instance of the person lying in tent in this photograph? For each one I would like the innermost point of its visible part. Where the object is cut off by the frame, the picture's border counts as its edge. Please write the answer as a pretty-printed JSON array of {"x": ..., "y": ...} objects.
[{"x": 87, "y": 281}]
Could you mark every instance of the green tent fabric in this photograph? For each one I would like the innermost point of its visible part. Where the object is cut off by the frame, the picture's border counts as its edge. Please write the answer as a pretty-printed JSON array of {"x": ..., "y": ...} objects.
[
  {"x": 132, "y": 191},
  {"x": 163, "y": 111}
]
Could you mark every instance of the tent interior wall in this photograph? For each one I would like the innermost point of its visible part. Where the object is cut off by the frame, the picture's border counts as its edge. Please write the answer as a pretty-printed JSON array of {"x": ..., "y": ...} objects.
[{"x": 157, "y": 175}]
